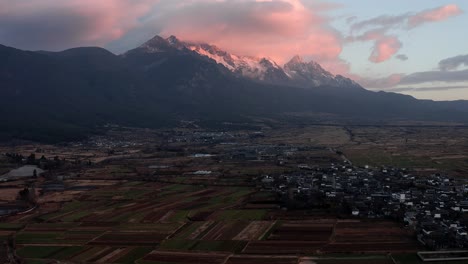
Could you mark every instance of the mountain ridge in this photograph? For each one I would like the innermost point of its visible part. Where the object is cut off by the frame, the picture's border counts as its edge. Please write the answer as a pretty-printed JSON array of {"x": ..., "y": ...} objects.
[
  {"x": 296, "y": 72},
  {"x": 57, "y": 96}
]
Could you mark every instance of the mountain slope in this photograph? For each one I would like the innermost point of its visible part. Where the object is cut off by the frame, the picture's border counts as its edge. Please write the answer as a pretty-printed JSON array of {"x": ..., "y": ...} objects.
[
  {"x": 56, "y": 96},
  {"x": 294, "y": 73}
]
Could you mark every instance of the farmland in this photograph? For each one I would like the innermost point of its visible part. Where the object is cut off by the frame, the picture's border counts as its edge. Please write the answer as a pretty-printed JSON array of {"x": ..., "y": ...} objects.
[
  {"x": 138, "y": 196},
  {"x": 163, "y": 218}
]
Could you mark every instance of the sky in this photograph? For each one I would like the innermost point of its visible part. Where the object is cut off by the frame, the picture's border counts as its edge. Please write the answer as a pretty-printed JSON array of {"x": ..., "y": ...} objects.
[{"x": 417, "y": 47}]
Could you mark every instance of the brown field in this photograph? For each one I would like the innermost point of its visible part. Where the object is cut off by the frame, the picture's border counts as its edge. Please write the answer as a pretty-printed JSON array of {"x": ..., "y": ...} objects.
[
  {"x": 261, "y": 260},
  {"x": 282, "y": 247},
  {"x": 253, "y": 230},
  {"x": 183, "y": 258},
  {"x": 225, "y": 230},
  {"x": 372, "y": 247},
  {"x": 129, "y": 238},
  {"x": 302, "y": 230},
  {"x": 354, "y": 261}
]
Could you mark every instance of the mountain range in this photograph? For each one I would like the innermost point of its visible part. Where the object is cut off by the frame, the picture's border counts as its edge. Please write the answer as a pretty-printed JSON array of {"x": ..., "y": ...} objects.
[
  {"x": 55, "y": 96},
  {"x": 296, "y": 72}
]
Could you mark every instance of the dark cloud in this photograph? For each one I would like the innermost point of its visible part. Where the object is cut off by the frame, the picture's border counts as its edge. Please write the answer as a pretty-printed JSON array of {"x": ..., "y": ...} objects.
[
  {"x": 51, "y": 29},
  {"x": 427, "y": 89},
  {"x": 435, "y": 76},
  {"x": 57, "y": 24},
  {"x": 402, "y": 57},
  {"x": 381, "y": 83},
  {"x": 453, "y": 62}
]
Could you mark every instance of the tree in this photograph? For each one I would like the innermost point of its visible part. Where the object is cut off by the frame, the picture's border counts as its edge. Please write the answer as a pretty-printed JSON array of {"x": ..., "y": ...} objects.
[{"x": 31, "y": 159}]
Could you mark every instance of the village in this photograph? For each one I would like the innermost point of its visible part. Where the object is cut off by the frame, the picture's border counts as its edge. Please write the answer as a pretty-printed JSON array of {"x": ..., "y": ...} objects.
[{"x": 435, "y": 207}]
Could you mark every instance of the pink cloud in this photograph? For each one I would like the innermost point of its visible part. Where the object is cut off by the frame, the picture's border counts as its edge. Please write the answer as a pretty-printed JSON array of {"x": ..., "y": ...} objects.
[
  {"x": 408, "y": 20},
  {"x": 277, "y": 29},
  {"x": 434, "y": 15},
  {"x": 376, "y": 29},
  {"x": 384, "y": 48}
]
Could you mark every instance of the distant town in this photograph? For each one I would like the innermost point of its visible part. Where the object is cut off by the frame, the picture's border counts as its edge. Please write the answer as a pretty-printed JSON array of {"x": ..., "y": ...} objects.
[{"x": 433, "y": 206}]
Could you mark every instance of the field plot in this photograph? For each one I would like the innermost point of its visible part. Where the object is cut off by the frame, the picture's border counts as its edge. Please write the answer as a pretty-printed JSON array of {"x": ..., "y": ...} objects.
[
  {"x": 125, "y": 222},
  {"x": 355, "y": 261},
  {"x": 425, "y": 149},
  {"x": 356, "y": 231},
  {"x": 51, "y": 252},
  {"x": 129, "y": 238},
  {"x": 248, "y": 214},
  {"x": 183, "y": 258},
  {"x": 303, "y": 230},
  {"x": 254, "y": 230},
  {"x": 261, "y": 260},
  {"x": 225, "y": 230},
  {"x": 282, "y": 247},
  {"x": 130, "y": 255},
  {"x": 357, "y": 236}
]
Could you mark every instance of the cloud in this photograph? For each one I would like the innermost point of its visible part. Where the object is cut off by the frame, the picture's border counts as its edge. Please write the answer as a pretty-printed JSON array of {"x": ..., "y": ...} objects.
[
  {"x": 427, "y": 89},
  {"x": 384, "y": 21},
  {"x": 453, "y": 62},
  {"x": 381, "y": 83},
  {"x": 377, "y": 29},
  {"x": 409, "y": 20},
  {"x": 402, "y": 57},
  {"x": 434, "y": 15},
  {"x": 277, "y": 29},
  {"x": 351, "y": 19},
  {"x": 385, "y": 47},
  {"x": 57, "y": 24},
  {"x": 446, "y": 74},
  {"x": 435, "y": 76}
]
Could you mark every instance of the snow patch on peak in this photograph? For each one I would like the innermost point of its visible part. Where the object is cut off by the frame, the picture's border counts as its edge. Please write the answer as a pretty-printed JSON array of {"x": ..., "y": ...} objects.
[
  {"x": 173, "y": 40},
  {"x": 297, "y": 72},
  {"x": 251, "y": 67},
  {"x": 219, "y": 58}
]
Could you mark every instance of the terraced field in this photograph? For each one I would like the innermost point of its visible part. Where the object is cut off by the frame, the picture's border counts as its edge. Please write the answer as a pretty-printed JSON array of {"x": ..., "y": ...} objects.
[{"x": 171, "y": 223}]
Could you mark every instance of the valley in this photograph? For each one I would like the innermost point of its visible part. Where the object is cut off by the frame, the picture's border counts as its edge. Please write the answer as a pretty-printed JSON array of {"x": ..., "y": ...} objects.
[
  {"x": 166, "y": 196},
  {"x": 233, "y": 132}
]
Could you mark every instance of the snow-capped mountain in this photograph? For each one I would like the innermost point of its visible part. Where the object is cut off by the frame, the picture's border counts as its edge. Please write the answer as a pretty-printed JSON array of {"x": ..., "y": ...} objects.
[
  {"x": 296, "y": 72},
  {"x": 261, "y": 69},
  {"x": 311, "y": 74},
  {"x": 159, "y": 44}
]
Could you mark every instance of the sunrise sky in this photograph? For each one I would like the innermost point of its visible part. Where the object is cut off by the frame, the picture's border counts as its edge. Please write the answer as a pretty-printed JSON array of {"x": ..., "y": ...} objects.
[{"x": 416, "y": 47}]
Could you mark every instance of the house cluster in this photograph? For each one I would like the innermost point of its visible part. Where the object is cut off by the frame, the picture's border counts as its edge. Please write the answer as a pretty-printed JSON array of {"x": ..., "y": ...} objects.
[
  {"x": 262, "y": 152},
  {"x": 104, "y": 142},
  {"x": 435, "y": 206},
  {"x": 200, "y": 137}
]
